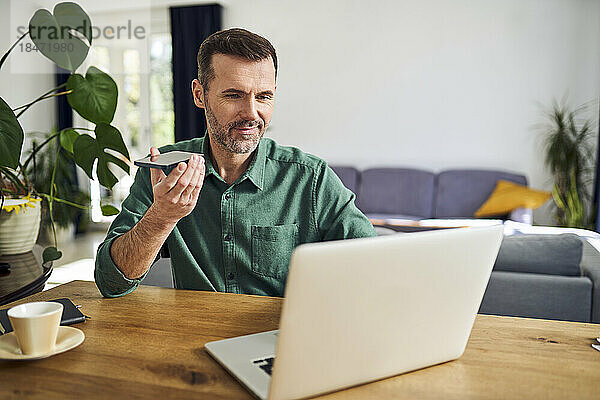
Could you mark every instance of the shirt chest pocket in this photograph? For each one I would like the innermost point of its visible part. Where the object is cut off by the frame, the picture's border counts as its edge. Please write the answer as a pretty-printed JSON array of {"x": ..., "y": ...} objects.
[{"x": 272, "y": 248}]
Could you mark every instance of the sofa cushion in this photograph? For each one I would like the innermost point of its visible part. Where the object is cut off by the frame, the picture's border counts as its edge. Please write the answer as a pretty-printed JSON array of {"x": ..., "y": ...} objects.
[
  {"x": 349, "y": 177},
  {"x": 541, "y": 254},
  {"x": 508, "y": 196},
  {"x": 538, "y": 296},
  {"x": 459, "y": 193},
  {"x": 396, "y": 191}
]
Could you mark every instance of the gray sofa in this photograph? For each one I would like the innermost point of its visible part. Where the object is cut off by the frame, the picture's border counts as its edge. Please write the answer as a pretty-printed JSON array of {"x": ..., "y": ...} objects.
[
  {"x": 409, "y": 193},
  {"x": 538, "y": 276},
  {"x": 545, "y": 276}
]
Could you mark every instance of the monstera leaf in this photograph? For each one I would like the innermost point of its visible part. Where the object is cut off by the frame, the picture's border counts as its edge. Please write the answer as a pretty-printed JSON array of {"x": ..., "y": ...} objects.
[
  {"x": 93, "y": 97},
  {"x": 86, "y": 150},
  {"x": 53, "y": 34},
  {"x": 11, "y": 137}
]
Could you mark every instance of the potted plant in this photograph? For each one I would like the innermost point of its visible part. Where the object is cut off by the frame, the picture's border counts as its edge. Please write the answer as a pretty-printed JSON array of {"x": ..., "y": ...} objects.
[
  {"x": 570, "y": 159},
  {"x": 93, "y": 96}
]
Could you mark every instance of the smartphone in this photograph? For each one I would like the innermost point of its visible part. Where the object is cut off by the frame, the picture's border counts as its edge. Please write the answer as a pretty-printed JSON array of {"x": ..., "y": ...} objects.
[
  {"x": 165, "y": 160},
  {"x": 71, "y": 315}
]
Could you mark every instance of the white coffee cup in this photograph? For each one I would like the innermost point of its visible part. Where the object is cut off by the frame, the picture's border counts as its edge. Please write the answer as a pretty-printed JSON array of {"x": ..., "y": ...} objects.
[{"x": 36, "y": 326}]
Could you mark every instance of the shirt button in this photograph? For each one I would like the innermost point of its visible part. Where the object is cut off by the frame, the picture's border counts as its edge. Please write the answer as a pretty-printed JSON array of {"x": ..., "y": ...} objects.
[
  {"x": 227, "y": 237},
  {"x": 230, "y": 276},
  {"x": 227, "y": 196}
]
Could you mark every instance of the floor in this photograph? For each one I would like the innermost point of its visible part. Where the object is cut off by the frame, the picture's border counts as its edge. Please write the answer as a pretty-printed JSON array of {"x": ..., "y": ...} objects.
[{"x": 77, "y": 262}]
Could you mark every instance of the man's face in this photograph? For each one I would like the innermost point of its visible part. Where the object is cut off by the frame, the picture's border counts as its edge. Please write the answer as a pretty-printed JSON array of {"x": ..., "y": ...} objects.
[{"x": 238, "y": 102}]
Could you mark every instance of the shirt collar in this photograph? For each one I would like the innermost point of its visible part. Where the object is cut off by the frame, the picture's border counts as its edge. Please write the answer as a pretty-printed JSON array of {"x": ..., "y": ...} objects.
[{"x": 256, "y": 170}]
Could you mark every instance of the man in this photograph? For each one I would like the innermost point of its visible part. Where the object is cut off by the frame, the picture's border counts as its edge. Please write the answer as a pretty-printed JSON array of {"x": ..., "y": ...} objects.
[{"x": 230, "y": 219}]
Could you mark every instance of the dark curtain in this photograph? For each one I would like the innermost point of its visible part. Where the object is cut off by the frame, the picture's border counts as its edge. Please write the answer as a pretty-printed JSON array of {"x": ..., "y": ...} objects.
[
  {"x": 64, "y": 119},
  {"x": 64, "y": 112},
  {"x": 189, "y": 27}
]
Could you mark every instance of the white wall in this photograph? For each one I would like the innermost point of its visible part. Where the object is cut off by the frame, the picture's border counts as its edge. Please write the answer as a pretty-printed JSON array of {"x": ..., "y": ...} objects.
[{"x": 432, "y": 84}]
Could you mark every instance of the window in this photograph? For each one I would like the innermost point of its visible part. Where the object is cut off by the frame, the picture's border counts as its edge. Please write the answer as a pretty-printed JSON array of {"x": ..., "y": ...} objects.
[
  {"x": 144, "y": 112},
  {"x": 131, "y": 92},
  {"x": 161, "y": 91}
]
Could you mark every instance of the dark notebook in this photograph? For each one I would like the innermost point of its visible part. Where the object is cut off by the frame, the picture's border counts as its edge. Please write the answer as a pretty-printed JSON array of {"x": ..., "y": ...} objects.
[{"x": 71, "y": 315}]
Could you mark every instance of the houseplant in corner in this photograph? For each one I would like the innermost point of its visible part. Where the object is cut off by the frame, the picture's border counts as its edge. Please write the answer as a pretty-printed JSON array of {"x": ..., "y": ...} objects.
[
  {"x": 570, "y": 159},
  {"x": 63, "y": 36}
]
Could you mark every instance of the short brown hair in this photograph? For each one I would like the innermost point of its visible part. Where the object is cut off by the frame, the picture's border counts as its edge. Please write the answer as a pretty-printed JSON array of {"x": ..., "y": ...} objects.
[{"x": 232, "y": 42}]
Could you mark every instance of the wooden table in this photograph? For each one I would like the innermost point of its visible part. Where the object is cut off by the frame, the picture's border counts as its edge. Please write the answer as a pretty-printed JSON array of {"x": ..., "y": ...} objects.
[{"x": 149, "y": 344}]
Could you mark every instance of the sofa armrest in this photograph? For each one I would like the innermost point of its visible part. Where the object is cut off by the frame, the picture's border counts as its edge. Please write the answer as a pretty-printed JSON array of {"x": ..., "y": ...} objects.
[
  {"x": 590, "y": 267},
  {"x": 523, "y": 215}
]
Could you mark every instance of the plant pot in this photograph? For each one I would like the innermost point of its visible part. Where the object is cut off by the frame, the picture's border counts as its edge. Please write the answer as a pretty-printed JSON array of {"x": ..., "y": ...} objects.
[{"x": 19, "y": 225}]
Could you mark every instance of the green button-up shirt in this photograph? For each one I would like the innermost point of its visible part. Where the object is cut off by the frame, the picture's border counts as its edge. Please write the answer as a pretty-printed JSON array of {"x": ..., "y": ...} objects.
[{"x": 239, "y": 237}]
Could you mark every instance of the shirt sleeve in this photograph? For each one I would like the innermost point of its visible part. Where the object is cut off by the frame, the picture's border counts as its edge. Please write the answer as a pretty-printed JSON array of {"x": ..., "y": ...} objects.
[
  {"x": 110, "y": 280},
  {"x": 337, "y": 217}
]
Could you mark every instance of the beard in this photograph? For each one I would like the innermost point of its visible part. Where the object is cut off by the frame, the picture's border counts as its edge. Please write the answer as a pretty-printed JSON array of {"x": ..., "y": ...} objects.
[{"x": 224, "y": 134}]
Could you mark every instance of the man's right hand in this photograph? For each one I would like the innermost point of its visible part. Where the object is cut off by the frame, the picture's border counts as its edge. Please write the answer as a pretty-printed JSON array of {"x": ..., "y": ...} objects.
[{"x": 175, "y": 195}]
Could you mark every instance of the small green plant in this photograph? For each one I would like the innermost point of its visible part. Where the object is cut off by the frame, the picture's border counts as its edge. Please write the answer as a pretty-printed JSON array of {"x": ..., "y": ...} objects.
[
  {"x": 570, "y": 159},
  {"x": 93, "y": 96}
]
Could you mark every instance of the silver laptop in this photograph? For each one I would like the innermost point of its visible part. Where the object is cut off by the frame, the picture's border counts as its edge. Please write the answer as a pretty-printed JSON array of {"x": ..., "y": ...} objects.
[{"x": 360, "y": 310}]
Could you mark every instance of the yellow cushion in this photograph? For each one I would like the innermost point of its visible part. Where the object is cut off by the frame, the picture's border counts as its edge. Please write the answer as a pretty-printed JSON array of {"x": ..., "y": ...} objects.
[{"x": 508, "y": 196}]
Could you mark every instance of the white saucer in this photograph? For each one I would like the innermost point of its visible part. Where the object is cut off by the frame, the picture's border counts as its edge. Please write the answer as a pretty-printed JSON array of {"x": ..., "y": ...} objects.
[{"x": 68, "y": 338}]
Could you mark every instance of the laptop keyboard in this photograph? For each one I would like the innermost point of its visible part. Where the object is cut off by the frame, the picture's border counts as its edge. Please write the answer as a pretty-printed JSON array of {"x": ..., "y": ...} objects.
[{"x": 266, "y": 364}]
